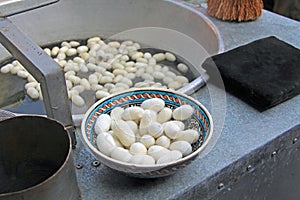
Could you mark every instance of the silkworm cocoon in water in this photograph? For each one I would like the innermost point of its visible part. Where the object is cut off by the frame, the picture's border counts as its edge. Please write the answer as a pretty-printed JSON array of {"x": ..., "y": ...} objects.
[
  {"x": 155, "y": 129},
  {"x": 183, "y": 112},
  {"x": 103, "y": 123},
  {"x": 121, "y": 154},
  {"x": 105, "y": 143},
  {"x": 171, "y": 129},
  {"x": 148, "y": 117},
  {"x": 78, "y": 100},
  {"x": 6, "y": 68},
  {"x": 159, "y": 57},
  {"x": 170, "y": 157},
  {"x": 170, "y": 57},
  {"x": 137, "y": 148},
  {"x": 123, "y": 132},
  {"x": 183, "y": 146},
  {"x": 133, "y": 113},
  {"x": 142, "y": 160},
  {"x": 33, "y": 93},
  {"x": 31, "y": 84},
  {"x": 182, "y": 68},
  {"x": 157, "y": 151},
  {"x": 189, "y": 135},
  {"x": 155, "y": 104},
  {"x": 147, "y": 140},
  {"x": 164, "y": 115},
  {"x": 163, "y": 141}
]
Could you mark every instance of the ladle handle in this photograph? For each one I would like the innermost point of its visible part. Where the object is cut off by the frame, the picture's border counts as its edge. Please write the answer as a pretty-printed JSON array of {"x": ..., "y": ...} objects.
[{"x": 44, "y": 69}]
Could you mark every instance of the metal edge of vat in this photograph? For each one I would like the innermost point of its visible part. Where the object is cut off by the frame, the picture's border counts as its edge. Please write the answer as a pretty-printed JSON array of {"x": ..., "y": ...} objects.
[{"x": 54, "y": 183}]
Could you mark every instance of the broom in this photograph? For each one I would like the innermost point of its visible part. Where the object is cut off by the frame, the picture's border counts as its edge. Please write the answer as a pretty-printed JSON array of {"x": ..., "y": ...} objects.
[{"x": 235, "y": 10}]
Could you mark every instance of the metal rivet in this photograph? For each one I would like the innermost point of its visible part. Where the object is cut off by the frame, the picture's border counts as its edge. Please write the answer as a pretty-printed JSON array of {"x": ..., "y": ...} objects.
[
  {"x": 274, "y": 153},
  {"x": 249, "y": 167},
  {"x": 96, "y": 163},
  {"x": 221, "y": 186},
  {"x": 295, "y": 140},
  {"x": 79, "y": 166}
]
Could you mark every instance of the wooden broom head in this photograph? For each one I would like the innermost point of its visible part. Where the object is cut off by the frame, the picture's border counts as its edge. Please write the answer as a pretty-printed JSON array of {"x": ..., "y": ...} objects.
[{"x": 235, "y": 10}]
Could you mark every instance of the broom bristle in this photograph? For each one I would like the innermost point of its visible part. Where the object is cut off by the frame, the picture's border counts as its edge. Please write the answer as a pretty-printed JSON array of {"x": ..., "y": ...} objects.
[{"x": 235, "y": 10}]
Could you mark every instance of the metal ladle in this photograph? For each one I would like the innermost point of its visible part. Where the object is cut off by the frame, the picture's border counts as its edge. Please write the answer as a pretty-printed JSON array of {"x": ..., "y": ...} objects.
[{"x": 43, "y": 68}]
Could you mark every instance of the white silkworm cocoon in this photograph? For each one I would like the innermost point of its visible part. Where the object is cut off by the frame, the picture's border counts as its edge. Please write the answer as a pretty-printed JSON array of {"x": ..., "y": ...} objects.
[
  {"x": 54, "y": 51},
  {"x": 129, "y": 64},
  {"x": 6, "y": 68},
  {"x": 103, "y": 123},
  {"x": 163, "y": 141},
  {"x": 147, "y": 140},
  {"x": 167, "y": 80},
  {"x": 142, "y": 160},
  {"x": 147, "y": 55},
  {"x": 130, "y": 76},
  {"x": 61, "y": 56},
  {"x": 123, "y": 132},
  {"x": 101, "y": 94},
  {"x": 133, "y": 113},
  {"x": 78, "y": 100},
  {"x": 164, "y": 115},
  {"x": 137, "y": 55},
  {"x": 182, "y": 68},
  {"x": 122, "y": 72},
  {"x": 180, "y": 124},
  {"x": 171, "y": 129},
  {"x": 69, "y": 73},
  {"x": 69, "y": 84},
  {"x": 127, "y": 81},
  {"x": 78, "y": 60},
  {"x": 71, "y": 52},
  {"x": 31, "y": 84},
  {"x": 116, "y": 113},
  {"x": 114, "y": 44},
  {"x": 147, "y": 76},
  {"x": 155, "y": 129},
  {"x": 79, "y": 88},
  {"x": 105, "y": 79},
  {"x": 48, "y": 51},
  {"x": 96, "y": 87},
  {"x": 122, "y": 86},
  {"x": 143, "y": 60},
  {"x": 170, "y": 57},
  {"x": 82, "y": 49},
  {"x": 157, "y": 151},
  {"x": 183, "y": 112},
  {"x": 93, "y": 79},
  {"x": 158, "y": 75},
  {"x": 74, "y": 43},
  {"x": 170, "y": 157},
  {"x": 159, "y": 57},
  {"x": 181, "y": 79},
  {"x": 149, "y": 116},
  {"x": 175, "y": 85},
  {"x": 105, "y": 143},
  {"x": 117, "y": 65},
  {"x": 189, "y": 135},
  {"x": 133, "y": 125},
  {"x": 183, "y": 146},
  {"x": 74, "y": 79},
  {"x": 33, "y": 93},
  {"x": 85, "y": 83},
  {"x": 22, "y": 74},
  {"x": 137, "y": 148},
  {"x": 155, "y": 104},
  {"x": 121, "y": 154}
]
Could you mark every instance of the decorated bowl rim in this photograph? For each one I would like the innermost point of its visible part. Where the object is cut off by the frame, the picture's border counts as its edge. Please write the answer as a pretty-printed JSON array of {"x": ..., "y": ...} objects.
[{"x": 95, "y": 151}]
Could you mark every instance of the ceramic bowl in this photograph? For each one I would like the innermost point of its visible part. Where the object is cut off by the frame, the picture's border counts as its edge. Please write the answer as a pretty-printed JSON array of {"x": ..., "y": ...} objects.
[{"x": 201, "y": 120}]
